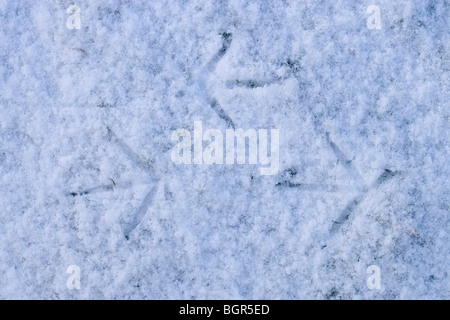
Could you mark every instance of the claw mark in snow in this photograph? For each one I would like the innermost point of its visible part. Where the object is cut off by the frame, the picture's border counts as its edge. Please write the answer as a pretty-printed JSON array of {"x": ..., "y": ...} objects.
[
  {"x": 141, "y": 161},
  {"x": 140, "y": 213},
  {"x": 203, "y": 74},
  {"x": 227, "y": 38},
  {"x": 129, "y": 226},
  {"x": 351, "y": 206},
  {"x": 92, "y": 190},
  {"x": 222, "y": 114},
  {"x": 148, "y": 166},
  {"x": 347, "y": 163}
]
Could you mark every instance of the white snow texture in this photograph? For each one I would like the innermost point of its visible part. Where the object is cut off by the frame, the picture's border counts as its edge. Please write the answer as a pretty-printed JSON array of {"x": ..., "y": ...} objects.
[{"x": 86, "y": 118}]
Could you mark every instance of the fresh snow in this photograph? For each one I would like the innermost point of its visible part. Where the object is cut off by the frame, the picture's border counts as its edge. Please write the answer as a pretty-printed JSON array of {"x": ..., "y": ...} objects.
[{"x": 87, "y": 180}]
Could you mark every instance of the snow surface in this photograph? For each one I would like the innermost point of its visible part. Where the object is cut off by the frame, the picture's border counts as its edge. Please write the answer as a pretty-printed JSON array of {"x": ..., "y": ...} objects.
[{"x": 364, "y": 154}]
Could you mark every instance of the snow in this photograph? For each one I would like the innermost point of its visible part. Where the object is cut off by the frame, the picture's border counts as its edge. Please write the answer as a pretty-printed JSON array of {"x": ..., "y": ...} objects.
[{"x": 86, "y": 176}]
